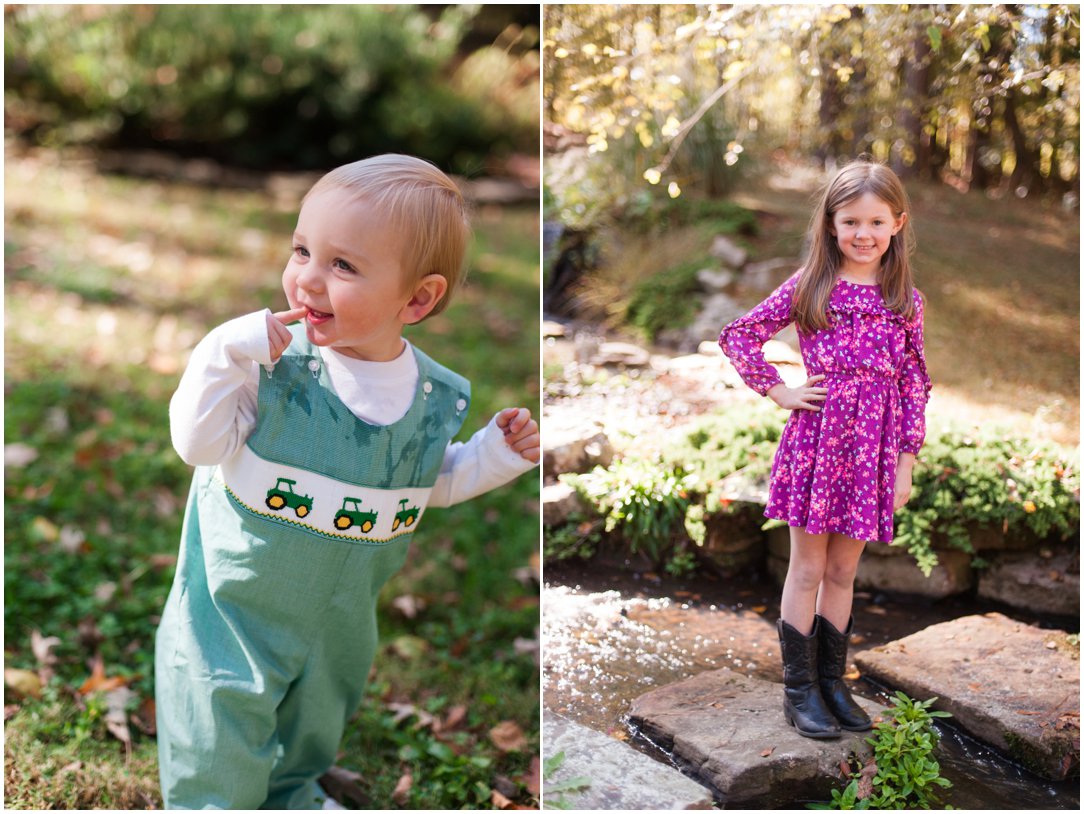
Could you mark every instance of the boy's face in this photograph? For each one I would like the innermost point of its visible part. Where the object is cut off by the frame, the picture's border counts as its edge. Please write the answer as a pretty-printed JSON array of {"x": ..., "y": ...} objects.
[{"x": 346, "y": 269}]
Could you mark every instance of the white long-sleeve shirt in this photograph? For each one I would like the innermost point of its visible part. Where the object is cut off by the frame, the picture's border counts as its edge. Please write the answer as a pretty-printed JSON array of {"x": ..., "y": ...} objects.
[{"x": 214, "y": 409}]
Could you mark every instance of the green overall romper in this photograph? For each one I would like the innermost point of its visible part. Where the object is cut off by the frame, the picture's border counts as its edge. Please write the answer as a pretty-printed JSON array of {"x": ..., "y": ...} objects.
[{"x": 270, "y": 628}]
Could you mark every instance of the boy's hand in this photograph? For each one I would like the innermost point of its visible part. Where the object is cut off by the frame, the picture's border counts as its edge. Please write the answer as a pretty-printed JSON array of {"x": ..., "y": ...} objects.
[
  {"x": 520, "y": 432},
  {"x": 277, "y": 335}
]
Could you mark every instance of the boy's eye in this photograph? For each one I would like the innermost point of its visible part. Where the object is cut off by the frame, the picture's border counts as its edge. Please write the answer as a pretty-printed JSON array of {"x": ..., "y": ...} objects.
[
  {"x": 343, "y": 265},
  {"x": 301, "y": 251}
]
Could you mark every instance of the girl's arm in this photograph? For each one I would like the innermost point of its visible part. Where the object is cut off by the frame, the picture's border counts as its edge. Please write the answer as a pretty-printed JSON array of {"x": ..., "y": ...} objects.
[
  {"x": 484, "y": 462},
  {"x": 743, "y": 340},
  {"x": 214, "y": 409},
  {"x": 914, "y": 384}
]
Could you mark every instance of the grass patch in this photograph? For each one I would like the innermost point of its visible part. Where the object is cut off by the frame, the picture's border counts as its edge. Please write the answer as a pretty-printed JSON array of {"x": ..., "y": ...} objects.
[{"x": 111, "y": 282}]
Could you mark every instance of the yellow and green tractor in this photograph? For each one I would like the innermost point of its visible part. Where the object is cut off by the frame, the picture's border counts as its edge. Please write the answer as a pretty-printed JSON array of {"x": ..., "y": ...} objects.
[
  {"x": 351, "y": 514},
  {"x": 283, "y": 496},
  {"x": 405, "y": 516}
]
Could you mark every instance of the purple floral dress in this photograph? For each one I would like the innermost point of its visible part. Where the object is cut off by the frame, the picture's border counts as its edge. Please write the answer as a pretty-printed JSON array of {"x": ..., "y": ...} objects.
[{"x": 835, "y": 470}]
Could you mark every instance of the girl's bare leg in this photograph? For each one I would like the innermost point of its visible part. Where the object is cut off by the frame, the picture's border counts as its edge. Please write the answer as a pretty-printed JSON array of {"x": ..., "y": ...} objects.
[
  {"x": 805, "y": 574},
  {"x": 836, "y": 593}
]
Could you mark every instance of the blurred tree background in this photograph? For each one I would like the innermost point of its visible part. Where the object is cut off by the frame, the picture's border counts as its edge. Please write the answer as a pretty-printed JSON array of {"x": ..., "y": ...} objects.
[
  {"x": 155, "y": 158},
  {"x": 981, "y": 97},
  {"x": 277, "y": 87}
]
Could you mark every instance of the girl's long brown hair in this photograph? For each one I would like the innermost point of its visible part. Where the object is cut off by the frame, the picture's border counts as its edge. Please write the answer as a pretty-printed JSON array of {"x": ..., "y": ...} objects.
[{"x": 824, "y": 259}]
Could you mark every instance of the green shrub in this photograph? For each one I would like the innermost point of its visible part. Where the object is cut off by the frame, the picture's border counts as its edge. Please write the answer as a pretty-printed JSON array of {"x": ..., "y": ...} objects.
[
  {"x": 643, "y": 502},
  {"x": 669, "y": 299},
  {"x": 902, "y": 774},
  {"x": 264, "y": 85},
  {"x": 987, "y": 477},
  {"x": 964, "y": 479}
]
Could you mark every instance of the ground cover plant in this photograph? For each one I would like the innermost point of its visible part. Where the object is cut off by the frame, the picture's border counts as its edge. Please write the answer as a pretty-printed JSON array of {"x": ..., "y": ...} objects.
[{"x": 109, "y": 282}]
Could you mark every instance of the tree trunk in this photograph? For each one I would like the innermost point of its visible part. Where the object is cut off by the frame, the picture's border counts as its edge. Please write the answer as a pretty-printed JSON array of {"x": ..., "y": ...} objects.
[{"x": 916, "y": 88}]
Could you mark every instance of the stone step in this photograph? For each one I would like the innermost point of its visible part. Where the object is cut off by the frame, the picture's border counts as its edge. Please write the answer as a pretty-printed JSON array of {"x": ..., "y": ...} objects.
[
  {"x": 616, "y": 775},
  {"x": 729, "y": 730},
  {"x": 1011, "y": 685}
]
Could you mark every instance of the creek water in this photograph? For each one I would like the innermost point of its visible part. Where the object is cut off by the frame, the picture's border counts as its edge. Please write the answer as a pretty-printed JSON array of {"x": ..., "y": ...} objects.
[{"x": 610, "y": 636}]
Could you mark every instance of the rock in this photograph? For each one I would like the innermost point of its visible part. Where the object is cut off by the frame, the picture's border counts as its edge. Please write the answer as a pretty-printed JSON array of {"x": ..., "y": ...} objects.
[
  {"x": 710, "y": 347},
  {"x": 621, "y": 353},
  {"x": 768, "y": 274},
  {"x": 695, "y": 363},
  {"x": 729, "y": 252},
  {"x": 715, "y": 280},
  {"x": 1029, "y": 582},
  {"x": 728, "y": 729},
  {"x": 886, "y": 568},
  {"x": 575, "y": 450},
  {"x": 617, "y": 776},
  {"x": 717, "y": 311},
  {"x": 733, "y": 542},
  {"x": 559, "y": 502},
  {"x": 1011, "y": 685},
  {"x": 899, "y": 573}
]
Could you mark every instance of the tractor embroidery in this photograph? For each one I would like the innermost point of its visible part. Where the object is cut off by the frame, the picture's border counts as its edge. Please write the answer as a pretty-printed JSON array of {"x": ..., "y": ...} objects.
[
  {"x": 283, "y": 495},
  {"x": 352, "y": 515},
  {"x": 405, "y": 516}
]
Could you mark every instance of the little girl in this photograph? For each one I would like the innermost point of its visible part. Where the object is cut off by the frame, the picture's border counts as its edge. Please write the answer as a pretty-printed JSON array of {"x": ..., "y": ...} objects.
[{"x": 845, "y": 457}]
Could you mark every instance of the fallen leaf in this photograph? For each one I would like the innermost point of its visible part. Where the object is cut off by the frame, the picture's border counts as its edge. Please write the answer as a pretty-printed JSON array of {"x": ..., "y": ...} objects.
[
  {"x": 116, "y": 716},
  {"x": 10, "y": 710},
  {"x": 409, "y": 647},
  {"x": 24, "y": 683},
  {"x": 404, "y": 711},
  {"x": 344, "y": 786},
  {"x": 19, "y": 455},
  {"x": 505, "y": 786},
  {"x": 455, "y": 717},
  {"x": 42, "y": 648},
  {"x": 767, "y": 752},
  {"x": 74, "y": 766},
  {"x": 1029, "y": 712},
  {"x": 975, "y": 687},
  {"x": 407, "y": 605},
  {"x": 853, "y": 674},
  {"x": 44, "y": 529},
  {"x": 144, "y": 718},
  {"x": 532, "y": 778},
  {"x": 98, "y": 682},
  {"x": 508, "y": 737},
  {"x": 498, "y": 800},
  {"x": 759, "y": 608},
  {"x": 865, "y": 779},
  {"x": 401, "y": 793}
]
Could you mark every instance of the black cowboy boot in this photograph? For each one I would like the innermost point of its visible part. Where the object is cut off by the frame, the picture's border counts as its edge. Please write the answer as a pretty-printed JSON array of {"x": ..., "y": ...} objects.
[
  {"x": 831, "y": 664},
  {"x": 803, "y": 706}
]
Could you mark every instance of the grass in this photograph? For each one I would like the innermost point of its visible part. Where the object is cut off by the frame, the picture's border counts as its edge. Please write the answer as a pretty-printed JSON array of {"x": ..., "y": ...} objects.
[{"x": 110, "y": 282}]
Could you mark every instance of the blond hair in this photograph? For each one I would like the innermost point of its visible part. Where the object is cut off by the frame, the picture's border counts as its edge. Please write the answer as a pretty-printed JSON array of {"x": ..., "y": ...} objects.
[
  {"x": 824, "y": 259},
  {"x": 422, "y": 203}
]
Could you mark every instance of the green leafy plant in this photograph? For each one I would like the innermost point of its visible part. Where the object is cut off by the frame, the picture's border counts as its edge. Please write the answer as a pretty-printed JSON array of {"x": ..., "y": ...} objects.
[
  {"x": 643, "y": 501},
  {"x": 577, "y": 539},
  {"x": 903, "y": 773},
  {"x": 553, "y": 793},
  {"x": 668, "y": 299},
  {"x": 967, "y": 478}
]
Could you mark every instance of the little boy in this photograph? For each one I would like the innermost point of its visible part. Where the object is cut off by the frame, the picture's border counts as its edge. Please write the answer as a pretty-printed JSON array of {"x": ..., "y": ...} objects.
[{"x": 317, "y": 447}]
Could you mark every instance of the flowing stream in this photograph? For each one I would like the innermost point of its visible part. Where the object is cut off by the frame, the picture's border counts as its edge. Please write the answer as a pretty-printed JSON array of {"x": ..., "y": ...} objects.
[{"x": 610, "y": 637}]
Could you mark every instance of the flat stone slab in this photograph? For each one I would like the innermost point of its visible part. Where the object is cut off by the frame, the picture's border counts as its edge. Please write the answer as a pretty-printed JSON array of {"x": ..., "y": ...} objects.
[
  {"x": 1011, "y": 685},
  {"x": 618, "y": 777},
  {"x": 729, "y": 730}
]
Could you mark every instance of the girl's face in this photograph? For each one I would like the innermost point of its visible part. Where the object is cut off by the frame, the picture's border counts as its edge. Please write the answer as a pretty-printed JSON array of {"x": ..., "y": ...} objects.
[
  {"x": 346, "y": 269},
  {"x": 863, "y": 228}
]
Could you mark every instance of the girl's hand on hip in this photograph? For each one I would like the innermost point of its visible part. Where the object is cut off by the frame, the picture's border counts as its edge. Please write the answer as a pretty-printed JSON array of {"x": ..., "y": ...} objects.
[
  {"x": 278, "y": 337},
  {"x": 520, "y": 432},
  {"x": 804, "y": 397}
]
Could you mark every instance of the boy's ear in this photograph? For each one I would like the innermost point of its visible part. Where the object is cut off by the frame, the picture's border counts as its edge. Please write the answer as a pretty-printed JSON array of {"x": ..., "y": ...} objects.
[{"x": 427, "y": 293}]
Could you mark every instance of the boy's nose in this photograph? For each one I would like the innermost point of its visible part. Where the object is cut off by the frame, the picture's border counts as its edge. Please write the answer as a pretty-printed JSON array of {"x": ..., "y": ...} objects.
[{"x": 310, "y": 278}]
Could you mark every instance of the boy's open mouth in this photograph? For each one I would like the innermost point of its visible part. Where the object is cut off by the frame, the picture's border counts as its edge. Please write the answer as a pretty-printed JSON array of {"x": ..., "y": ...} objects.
[{"x": 316, "y": 317}]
